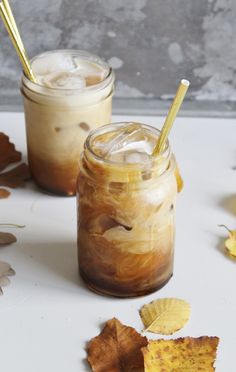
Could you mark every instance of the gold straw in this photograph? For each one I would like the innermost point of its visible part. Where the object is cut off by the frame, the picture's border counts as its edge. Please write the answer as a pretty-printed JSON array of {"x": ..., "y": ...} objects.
[
  {"x": 173, "y": 111},
  {"x": 13, "y": 22},
  {"x": 16, "y": 40}
]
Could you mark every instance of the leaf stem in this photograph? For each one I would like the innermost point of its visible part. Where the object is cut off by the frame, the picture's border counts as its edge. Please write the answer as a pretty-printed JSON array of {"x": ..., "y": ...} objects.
[
  {"x": 225, "y": 228},
  {"x": 12, "y": 225}
]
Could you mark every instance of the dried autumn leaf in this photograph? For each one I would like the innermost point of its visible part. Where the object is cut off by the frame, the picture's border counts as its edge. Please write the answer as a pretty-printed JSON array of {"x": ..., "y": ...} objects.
[
  {"x": 183, "y": 354},
  {"x": 4, "y": 193},
  {"x": 8, "y": 153},
  {"x": 230, "y": 243},
  {"x": 5, "y": 271},
  {"x": 165, "y": 316},
  {"x": 15, "y": 177},
  {"x": 179, "y": 179},
  {"x": 116, "y": 349},
  {"x": 4, "y": 281},
  {"x": 6, "y": 238}
]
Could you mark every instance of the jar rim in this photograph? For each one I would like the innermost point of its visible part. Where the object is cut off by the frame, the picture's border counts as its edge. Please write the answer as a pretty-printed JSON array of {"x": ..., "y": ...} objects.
[
  {"x": 156, "y": 158},
  {"x": 41, "y": 89}
]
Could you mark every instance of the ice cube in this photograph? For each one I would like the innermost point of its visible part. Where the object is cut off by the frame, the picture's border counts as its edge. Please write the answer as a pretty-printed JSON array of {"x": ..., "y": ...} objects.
[
  {"x": 125, "y": 134},
  {"x": 64, "y": 80},
  {"x": 133, "y": 156},
  {"x": 52, "y": 63},
  {"x": 141, "y": 146},
  {"x": 130, "y": 143},
  {"x": 90, "y": 71},
  {"x": 118, "y": 157},
  {"x": 93, "y": 79},
  {"x": 87, "y": 68},
  {"x": 133, "y": 145}
]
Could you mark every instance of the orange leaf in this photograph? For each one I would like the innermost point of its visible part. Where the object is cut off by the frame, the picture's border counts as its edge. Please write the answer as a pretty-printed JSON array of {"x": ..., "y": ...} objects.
[
  {"x": 15, "y": 177},
  {"x": 116, "y": 349},
  {"x": 4, "y": 193}
]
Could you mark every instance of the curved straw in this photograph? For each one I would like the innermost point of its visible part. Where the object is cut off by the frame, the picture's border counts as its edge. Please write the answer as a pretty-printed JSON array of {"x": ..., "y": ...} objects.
[
  {"x": 173, "y": 111},
  {"x": 10, "y": 24}
]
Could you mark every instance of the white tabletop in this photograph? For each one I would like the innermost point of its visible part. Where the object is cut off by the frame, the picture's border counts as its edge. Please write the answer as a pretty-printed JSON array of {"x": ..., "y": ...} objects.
[{"x": 47, "y": 315}]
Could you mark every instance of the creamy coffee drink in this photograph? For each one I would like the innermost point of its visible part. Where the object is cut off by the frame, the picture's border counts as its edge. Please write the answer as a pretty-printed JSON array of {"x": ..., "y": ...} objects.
[
  {"x": 73, "y": 95},
  {"x": 126, "y": 211}
]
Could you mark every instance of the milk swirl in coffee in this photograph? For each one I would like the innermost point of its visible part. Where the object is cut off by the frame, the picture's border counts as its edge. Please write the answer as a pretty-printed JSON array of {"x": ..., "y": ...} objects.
[{"x": 126, "y": 211}]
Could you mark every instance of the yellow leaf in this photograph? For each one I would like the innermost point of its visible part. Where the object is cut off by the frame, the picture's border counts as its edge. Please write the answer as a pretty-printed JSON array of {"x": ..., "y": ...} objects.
[
  {"x": 165, "y": 316},
  {"x": 230, "y": 243},
  {"x": 179, "y": 179},
  {"x": 183, "y": 354}
]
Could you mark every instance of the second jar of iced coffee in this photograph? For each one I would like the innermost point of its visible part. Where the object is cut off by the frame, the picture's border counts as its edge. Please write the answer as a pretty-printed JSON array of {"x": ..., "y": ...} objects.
[
  {"x": 126, "y": 210},
  {"x": 73, "y": 95}
]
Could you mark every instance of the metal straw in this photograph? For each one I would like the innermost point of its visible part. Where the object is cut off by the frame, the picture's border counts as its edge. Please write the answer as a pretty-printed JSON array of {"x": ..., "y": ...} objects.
[{"x": 173, "y": 111}]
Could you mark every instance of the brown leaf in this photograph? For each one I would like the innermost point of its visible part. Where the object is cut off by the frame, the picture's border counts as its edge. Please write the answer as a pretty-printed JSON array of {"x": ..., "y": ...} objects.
[
  {"x": 7, "y": 238},
  {"x": 5, "y": 271},
  {"x": 4, "y": 193},
  {"x": 182, "y": 354},
  {"x": 4, "y": 268},
  {"x": 117, "y": 349},
  {"x": 8, "y": 153},
  {"x": 15, "y": 177}
]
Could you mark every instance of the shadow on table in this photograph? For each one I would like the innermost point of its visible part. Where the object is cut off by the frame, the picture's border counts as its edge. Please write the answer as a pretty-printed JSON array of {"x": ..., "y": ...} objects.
[
  {"x": 59, "y": 258},
  {"x": 220, "y": 246},
  {"x": 229, "y": 203}
]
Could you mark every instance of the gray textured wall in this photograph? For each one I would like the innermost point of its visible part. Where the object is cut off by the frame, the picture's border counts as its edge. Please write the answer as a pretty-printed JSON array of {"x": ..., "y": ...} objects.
[{"x": 150, "y": 43}]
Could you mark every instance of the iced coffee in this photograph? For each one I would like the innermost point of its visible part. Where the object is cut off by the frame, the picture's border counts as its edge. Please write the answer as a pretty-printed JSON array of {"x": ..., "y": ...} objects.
[
  {"x": 126, "y": 211},
  {"x": 72, "y": 96}
]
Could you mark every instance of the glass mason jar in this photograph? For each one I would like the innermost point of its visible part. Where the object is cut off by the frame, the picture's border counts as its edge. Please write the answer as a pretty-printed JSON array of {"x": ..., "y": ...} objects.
[
  {"x": 126, "y": 212},
  {"x": 58, "y": 119}
]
